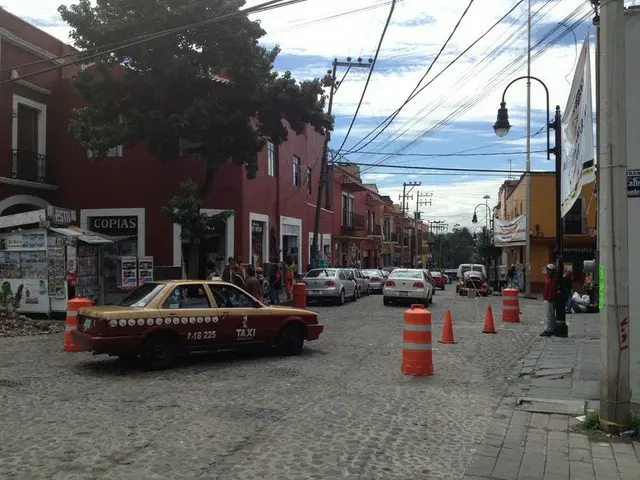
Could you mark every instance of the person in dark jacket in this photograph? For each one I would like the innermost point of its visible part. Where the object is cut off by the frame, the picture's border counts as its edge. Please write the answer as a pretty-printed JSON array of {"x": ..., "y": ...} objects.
[
  {"x": 275, "y": 283},
  {"x": 549, "y": 296},
  {"x": 236, "y": 276},
  {"x": 253, "y": 286},
  {"x": 226, "y": 273}
]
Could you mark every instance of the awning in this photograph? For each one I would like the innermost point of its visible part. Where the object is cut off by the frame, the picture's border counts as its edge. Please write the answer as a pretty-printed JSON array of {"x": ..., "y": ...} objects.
[{"x": 83, "y": 235}]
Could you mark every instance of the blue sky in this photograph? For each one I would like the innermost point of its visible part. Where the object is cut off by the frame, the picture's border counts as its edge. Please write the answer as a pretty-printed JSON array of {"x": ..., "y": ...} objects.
[{"x": 454, "y": 113}]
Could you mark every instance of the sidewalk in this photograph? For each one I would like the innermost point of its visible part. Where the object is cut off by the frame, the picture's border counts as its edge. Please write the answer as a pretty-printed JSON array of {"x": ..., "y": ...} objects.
[{"x": 534, "y": 434}]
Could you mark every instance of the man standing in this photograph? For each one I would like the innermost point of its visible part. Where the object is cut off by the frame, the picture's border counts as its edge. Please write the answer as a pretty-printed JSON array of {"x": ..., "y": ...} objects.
[
  {"x": 275, "y": 281},
  {"x": 226, "y": 273},
  {"x": 252, "y": 285}
]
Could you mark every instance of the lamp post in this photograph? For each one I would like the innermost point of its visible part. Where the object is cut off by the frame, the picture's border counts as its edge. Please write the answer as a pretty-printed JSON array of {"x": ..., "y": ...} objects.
[{"x": 501, "y": 127}]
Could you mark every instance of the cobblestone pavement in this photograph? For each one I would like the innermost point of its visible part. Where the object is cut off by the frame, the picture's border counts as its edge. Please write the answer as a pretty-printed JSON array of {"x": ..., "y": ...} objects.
[{"x": 342, "y": 409}]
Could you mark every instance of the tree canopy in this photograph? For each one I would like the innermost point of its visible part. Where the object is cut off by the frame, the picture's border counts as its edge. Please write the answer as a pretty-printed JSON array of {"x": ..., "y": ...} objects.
[
  {"x": 163, "y": 91},
  {"x": 453, "y": 248}
]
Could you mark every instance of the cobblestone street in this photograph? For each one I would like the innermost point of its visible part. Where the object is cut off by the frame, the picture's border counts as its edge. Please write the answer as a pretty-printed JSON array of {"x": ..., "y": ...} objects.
[{"x": 340, "y": 410}]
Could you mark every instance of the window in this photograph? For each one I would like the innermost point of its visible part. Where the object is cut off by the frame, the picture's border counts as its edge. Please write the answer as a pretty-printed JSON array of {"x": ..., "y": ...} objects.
[
  {"x": 228, "y": 296},
  {"x": 309, "y": 186},
  {"x": 296, "y": 171},
  {"x": 192, "y": 295},
  {"x": 347, "y": 210},
  {"x": 142, "y": 295},
  {"x": 115, "y": 152},
  {"x": 271, "y": 159}
]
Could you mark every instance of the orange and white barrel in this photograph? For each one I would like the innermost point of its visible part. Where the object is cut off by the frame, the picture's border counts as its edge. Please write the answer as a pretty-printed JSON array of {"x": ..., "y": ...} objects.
[
  {"x": 417, "y": 355},
  {"x": 71, "y": 323},
  {"x": 510, "y": 306}
]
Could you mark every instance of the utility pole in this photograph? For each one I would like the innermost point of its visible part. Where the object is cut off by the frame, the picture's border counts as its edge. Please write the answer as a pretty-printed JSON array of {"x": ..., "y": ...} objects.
[
  {"x": 330, "y": 81},
  {"x": 527, "y": 200},
  {"x": 422, "y": 199},
  {"x": 405, "y": 195},
  {"x": 615, "y": 392}
]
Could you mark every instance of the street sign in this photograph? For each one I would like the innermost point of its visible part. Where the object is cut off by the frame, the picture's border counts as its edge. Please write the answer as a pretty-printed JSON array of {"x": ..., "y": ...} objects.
[{"x": 633, "y": 183}]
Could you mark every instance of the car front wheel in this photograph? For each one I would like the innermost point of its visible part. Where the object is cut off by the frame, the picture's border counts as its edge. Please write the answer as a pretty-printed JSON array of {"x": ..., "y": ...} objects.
[
  {"x": 341, "y": 298},
  {"x": 291, "y": 340}
]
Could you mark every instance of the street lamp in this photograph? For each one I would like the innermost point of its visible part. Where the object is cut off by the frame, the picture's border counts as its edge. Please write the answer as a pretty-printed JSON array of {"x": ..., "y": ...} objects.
[{"x": 501, "y": 127}]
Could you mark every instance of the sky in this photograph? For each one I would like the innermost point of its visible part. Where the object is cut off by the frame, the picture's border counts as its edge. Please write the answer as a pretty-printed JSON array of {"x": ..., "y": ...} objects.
[{"x": 453, "y": 114}]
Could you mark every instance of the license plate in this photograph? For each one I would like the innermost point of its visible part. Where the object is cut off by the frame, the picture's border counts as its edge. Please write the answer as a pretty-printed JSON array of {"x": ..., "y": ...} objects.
[
  {"x": 403, "y": 294},
  {"x": 87, "y": 324},
  {"x": 315, "y": 292}
]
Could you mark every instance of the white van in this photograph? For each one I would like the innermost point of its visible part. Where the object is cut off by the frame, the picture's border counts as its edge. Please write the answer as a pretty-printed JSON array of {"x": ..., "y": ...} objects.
[{"x": 466, "y": 267}]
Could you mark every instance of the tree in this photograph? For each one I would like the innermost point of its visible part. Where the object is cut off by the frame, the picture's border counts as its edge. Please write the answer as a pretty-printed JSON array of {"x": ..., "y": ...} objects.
[
  {"x": 164, "y": 91},
  {"x": 184, "y": 210},
  {"x": 453, "y": 248}
]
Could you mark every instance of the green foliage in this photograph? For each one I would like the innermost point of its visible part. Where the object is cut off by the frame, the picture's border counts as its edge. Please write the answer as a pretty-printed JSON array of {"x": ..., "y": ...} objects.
[
  {"x": 163, "y": 89},
  {"x": 6, "y": 296},
  {"x": 184, "y": 209},
  {"x": 453, "y": 248},
  {"x": 591, "y": 421}
]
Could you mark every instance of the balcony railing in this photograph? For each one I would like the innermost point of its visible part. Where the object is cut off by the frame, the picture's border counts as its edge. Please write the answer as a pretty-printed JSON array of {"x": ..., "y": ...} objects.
[
  {"x": 375, "y": 230},
  {"x": 353, "y": 221},
  {"x": 29, "y": 166}
]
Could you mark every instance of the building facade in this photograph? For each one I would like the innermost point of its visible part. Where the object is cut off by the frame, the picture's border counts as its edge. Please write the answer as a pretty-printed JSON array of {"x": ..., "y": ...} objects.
[{"x": 579, "y": 228}]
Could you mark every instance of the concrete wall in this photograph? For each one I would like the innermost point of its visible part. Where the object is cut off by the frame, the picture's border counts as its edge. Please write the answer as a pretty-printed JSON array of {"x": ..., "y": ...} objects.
[{"x": 633, "y": 158}]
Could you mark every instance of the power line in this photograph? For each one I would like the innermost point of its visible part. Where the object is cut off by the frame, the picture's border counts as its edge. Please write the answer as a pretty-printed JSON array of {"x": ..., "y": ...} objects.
[
  {"x": 445, "y": 169},
  {"x": 294, "y": 26},
  {"x": 433, "y": 62},
  {"x": 433, "y": 155},
  {"x": 373, "y": 64},
  {"x": 265, "y": 6},
  {"x": 414, "y": 95}
]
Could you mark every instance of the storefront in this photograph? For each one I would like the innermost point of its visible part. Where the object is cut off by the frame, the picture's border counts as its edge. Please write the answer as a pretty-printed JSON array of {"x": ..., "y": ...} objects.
[
  {"x": 291, "y": 240},
  {"x": 324, "y": 247},
  {"x": 44, "y": 262},
  {"x": 259, "y": 239}
]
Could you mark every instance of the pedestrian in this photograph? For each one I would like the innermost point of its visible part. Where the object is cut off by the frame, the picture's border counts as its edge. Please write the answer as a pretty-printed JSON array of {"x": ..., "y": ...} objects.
[
  {"x": 242, "y": 269},
  {"x": 236, "y": 276},
  {"x": 226, "y": 273},
  {"x": 212, "y": 272},
  {"x": 275, "y": 283},
  {"x": 511, "y": 274},
  {"x": 549, "y": 296},
  {"x": 263, "y": 284},
  {"x": 289, "y": 269},
  {"x": 252, "y": 284}
]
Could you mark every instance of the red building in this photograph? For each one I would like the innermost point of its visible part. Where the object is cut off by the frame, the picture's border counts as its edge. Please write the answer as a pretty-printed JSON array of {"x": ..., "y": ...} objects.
[
  {"x": 358, "y": 230},
  {"x": 122, "y": 195}
]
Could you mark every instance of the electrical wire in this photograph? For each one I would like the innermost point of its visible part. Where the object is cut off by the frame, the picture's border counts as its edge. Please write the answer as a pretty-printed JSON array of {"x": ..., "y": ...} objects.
[
  {"x": 433, "y": 62},
  {"x": 416, "y": 93},
  {"x": 371, "y": 68},
  {"x": 265, "y": 6},
  {"x": 445, "y": 169},
  {"x": 497, "y": 77},
  {"x": 433, "y": 155}
]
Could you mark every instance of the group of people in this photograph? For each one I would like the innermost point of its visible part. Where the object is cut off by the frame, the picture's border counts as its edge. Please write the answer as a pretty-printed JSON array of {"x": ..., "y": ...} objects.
[
  {"x": 573, "y": 301},
  {"x": 251, "y": 279}
]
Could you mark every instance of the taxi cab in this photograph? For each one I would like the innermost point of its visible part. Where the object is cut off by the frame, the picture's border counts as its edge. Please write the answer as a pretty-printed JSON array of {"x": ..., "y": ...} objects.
[{"x": 160, "y": 320}]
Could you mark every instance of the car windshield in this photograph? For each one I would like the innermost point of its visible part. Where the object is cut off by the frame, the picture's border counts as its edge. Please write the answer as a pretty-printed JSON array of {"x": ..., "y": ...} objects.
[
  {"x": 405, "y": 274},
  {"x": 372, "y": 272},
  {"x": 321, "y": 273},
  {"x": 465, "y": 269},
  {"x": 436, "y": 274},
  {"x": 142, "y": 295}
]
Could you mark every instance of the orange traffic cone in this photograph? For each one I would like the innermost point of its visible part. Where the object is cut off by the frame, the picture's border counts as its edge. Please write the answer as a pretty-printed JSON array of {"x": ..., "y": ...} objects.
[
  {"x": 447, "y": 332},
  {"x": 489, "y": 327}
]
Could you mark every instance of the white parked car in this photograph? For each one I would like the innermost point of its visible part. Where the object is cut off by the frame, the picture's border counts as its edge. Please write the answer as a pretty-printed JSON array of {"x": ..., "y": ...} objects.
[{"x": 407, "y": 285}]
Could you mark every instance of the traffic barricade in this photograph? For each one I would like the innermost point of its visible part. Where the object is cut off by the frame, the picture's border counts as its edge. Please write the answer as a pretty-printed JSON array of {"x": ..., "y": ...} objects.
[
  {"x": 510, "y": 305},
  {"x": 71, "y": 323},
  {"x": 417, "y": 355},
  {"x": 299, "y": 299}
]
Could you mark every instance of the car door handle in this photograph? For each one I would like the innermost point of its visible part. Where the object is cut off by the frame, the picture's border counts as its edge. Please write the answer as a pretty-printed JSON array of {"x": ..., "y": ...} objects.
[
  {"x": 225, "y": 313},
  {"x": 173, "y": 314}
]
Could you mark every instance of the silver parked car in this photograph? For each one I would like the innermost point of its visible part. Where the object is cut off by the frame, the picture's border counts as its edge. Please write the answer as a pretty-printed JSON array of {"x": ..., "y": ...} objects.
[
  {"x": 408, "y": 284},
  {"x": 376, "y": 279},
  {"x": 330, "y": 284},
  {"x": 361, "y": 281}
]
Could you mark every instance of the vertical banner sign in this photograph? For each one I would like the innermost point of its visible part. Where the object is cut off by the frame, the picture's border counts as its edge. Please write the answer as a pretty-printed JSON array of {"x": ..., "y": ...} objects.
[
  {"x": 578, "y": 167},
  {"x": 601, "y": 286}
]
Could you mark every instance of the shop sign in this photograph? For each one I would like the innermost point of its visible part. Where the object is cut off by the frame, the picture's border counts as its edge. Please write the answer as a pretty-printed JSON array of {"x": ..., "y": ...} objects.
[
  {"x": 60, "y": 216},
  {"x": 578, "y": 250},
  {"x": 26, "y": 241},
  {"x": 633, "y": 183},
  {"x": 114, "y": 225}
]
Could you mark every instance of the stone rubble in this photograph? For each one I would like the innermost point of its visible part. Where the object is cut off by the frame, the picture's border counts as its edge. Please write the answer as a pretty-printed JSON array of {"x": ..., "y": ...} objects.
[{"x": 14, "y": 324}]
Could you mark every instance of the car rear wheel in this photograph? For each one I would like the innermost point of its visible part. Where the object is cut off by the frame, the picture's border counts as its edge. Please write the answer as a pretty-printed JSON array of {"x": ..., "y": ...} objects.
[
  {"x": 368, "y": 291},
  {"x": 158, "y": 351},
  {"x": 291, "y": 340},
  {"x": 341, "y": 298},
  {"x": 356, "y": 294}
]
